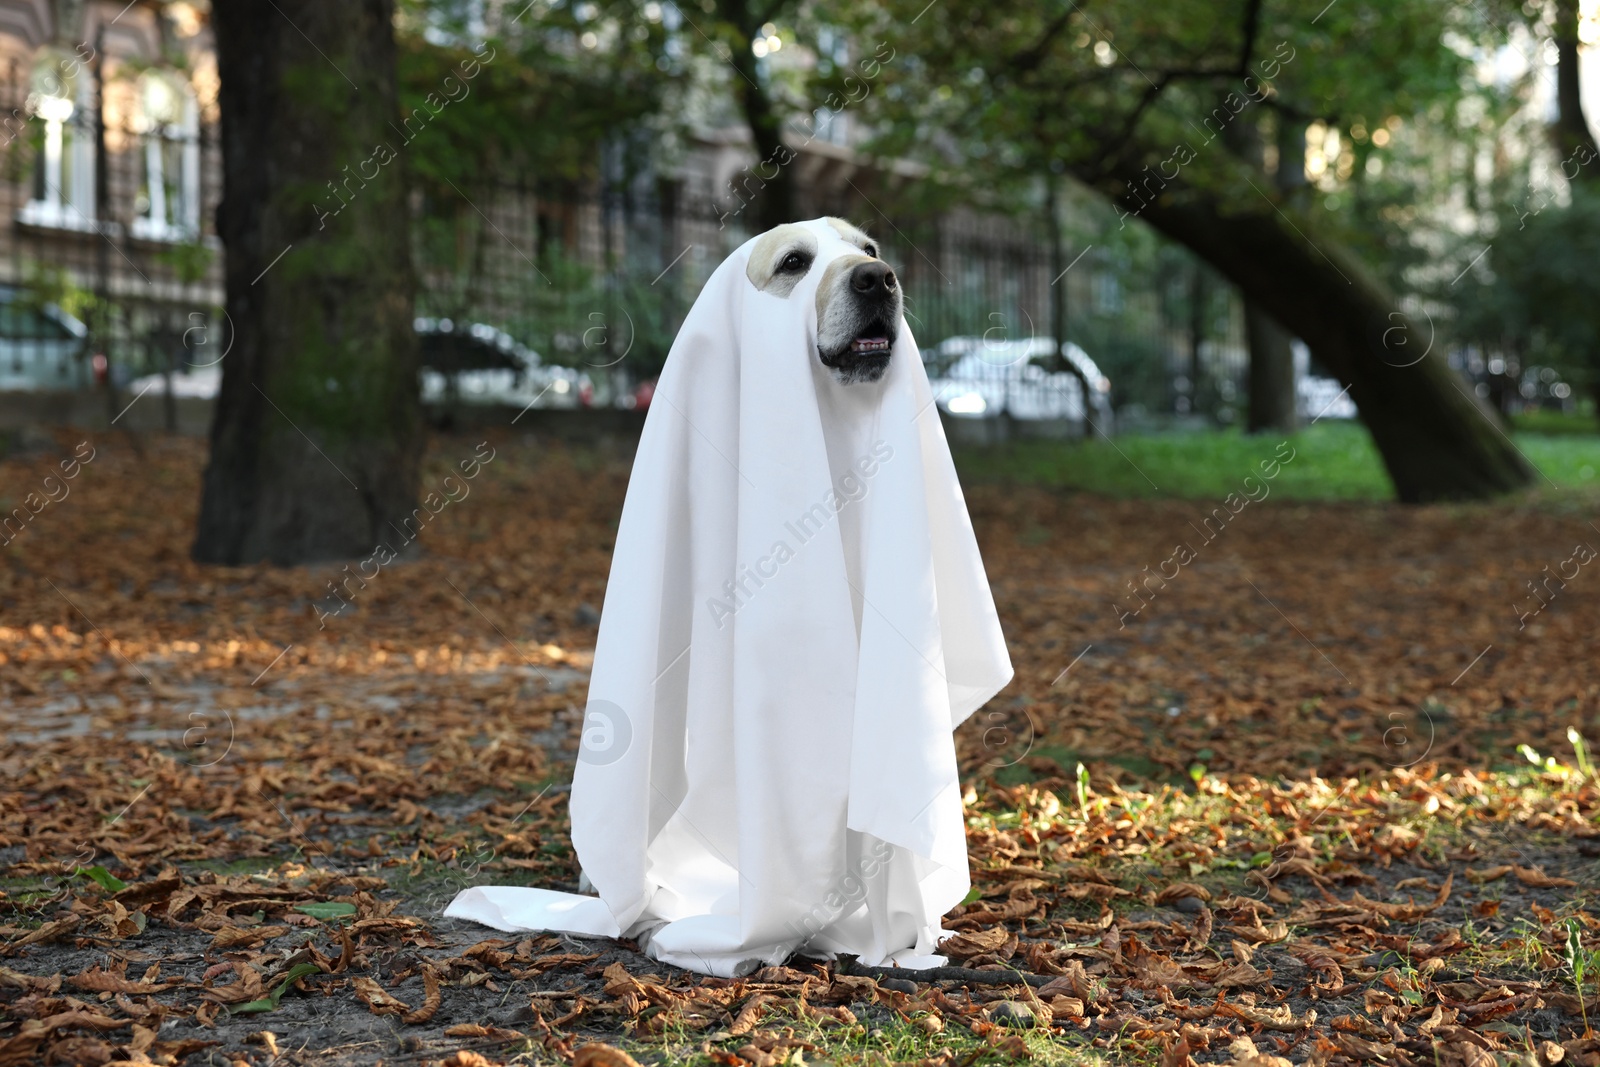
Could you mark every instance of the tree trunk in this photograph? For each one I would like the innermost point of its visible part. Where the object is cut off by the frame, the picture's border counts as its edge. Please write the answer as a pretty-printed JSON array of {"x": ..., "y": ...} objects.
[
  {"x": 1574, "y": 140},
  {"x": 1270, "y": 381},
  {"x": 1437, "y": 441},
  {"x": 1199, "y": 299},
  {"x": 1272, "y": 385},
  {"x": 1580, "y": 155},
  {"x": 318, "y": 431},
  {"x": 1058, "y": 303},
  {"x": 768, "y": 184}
]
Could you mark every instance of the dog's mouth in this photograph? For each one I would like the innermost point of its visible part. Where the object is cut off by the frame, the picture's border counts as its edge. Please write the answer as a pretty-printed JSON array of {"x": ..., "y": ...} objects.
[
  {"x": 865, "y": 357},
  {"x": 875, "y": 340}
]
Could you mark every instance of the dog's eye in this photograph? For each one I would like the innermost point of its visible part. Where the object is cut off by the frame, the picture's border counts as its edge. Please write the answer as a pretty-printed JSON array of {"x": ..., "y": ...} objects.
[
  {"x": 794, "y": 263},
  {"x": 871, "y": 249}
]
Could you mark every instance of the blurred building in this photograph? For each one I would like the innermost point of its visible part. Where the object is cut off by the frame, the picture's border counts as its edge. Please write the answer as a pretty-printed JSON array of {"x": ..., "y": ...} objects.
[
  {"x": 109, "y": 263},
  {"x": 110, "y": 178}
]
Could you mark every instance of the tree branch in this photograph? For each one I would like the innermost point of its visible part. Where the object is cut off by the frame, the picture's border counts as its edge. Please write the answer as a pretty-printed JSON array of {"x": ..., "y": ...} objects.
[
  {"x": 848, "y": 965},
  {"x": 1252, "y": 23},
  {"x": 1030, "y": 59}
]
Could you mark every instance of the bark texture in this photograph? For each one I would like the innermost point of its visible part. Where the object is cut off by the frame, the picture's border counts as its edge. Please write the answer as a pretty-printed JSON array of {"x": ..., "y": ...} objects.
[
  {"x": 1271, "y": 386},
  {"x": 1574, "y": 140},
  {"x": 318, "y": 430}
]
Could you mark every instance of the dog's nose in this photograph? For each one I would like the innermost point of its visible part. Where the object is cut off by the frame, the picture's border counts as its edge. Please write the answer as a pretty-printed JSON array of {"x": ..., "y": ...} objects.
[{"x": 872, "y": 278}]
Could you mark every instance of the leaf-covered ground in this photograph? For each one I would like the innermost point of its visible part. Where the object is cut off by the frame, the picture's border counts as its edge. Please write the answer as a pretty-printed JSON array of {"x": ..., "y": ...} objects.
[{"x": 1323, "y": 798}]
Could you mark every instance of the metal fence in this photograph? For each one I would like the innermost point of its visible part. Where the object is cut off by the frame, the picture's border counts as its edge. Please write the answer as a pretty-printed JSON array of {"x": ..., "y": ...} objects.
[
  {"x": 603, "y": 284},
  {"x": 109, "y": 268}
]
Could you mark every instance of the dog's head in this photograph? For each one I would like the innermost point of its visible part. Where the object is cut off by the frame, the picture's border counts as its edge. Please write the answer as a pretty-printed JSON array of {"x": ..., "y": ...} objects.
[{"x": 858, "y": 296}]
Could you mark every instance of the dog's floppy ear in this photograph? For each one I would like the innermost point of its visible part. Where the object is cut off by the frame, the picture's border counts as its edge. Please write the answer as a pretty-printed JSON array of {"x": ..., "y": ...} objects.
[{"x": 781, "y": 257}]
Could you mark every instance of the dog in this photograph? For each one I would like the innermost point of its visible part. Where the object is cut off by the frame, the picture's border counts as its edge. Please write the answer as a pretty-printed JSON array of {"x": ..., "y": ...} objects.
[
  {"x": 859, "y": 301},
  {"x": 788, "y": 781}
]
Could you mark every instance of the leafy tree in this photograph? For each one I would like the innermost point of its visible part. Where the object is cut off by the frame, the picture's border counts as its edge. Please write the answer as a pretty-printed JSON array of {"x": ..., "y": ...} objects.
[
  {"x": 1184, "y": 114},
  {"x": 539, "y": 107},
  {"x": 550, "y": 86},
  {"x": 1518, "y": 281},
  {"x": 1543, "y": 301}
]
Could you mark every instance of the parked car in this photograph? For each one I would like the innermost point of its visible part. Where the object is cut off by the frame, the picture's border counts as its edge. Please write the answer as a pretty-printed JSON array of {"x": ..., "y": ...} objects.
[
  {"x": 41, "y": 346},
  {"x": 490, "y": 367},
  {"x": 200, "y": 382},
  {"x": 1323, "y": 398},
  {"x": 1318, "y": 396},
  {"x": 975, "y": 378}
]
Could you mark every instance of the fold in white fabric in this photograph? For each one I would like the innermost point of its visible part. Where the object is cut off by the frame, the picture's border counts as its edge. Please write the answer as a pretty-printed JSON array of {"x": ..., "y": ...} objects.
[{"x": 797, "y": 618}]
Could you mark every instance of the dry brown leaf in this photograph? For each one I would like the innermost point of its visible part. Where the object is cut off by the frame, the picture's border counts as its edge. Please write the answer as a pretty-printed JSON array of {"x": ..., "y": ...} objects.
[
  {"x": 973, "y": 943},
  {"x": 377, "y": 1001},
  {"x": 750, "y": 1014},
  {"x": 248, "y": 987},
  {"x": 244, "y": 936},
  {"x": 431, "y": 998},
  {"x": 50, "y": 931},
  {"x": 468, "y": 1058},
  {"x": 1282, "y": 1018},
  {"x": 1063, "y": 1006},
  {"x": 1536, "y": 878},
  {"x": 498, "y": 1033},
  {"x": 596, "y": 1054},
  {"x": 18, "y": 980},
  {"x": 96, "y": 980},
  {"x": 1362, "y": 1049},
  {"x": 1180, "y": 890}
]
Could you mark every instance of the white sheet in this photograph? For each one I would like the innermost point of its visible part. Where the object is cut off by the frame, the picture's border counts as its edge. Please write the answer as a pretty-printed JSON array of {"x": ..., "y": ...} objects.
[{"x": 797, "y": 618}]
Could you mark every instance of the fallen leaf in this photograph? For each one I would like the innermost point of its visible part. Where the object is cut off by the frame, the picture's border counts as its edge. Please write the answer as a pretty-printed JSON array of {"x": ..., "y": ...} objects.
[
  {"x": 430, "y": 999},
  {"x": 376, "y": 1000}
]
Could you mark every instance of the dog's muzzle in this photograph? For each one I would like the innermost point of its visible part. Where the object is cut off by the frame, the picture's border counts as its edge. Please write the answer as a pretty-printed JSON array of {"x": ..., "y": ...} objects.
[{"x": 872, "y": 301}]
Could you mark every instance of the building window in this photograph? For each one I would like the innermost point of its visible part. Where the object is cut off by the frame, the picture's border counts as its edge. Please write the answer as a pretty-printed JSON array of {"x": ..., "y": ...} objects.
[
  {"x": 63, "y": 179},
  {"x": 167, "y": 207}
]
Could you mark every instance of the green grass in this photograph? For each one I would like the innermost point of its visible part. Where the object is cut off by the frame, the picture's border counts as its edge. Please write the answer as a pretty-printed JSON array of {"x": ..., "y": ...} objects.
[
  {"x": 1572, "y": 462},
  {"x": 1579, "y": 424},
  {"x": 1332, "y": 461},
  {"x": 881, "y": 1036}
]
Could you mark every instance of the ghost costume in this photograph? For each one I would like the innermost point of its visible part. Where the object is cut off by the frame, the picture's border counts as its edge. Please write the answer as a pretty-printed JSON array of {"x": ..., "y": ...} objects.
[{"x": 797, "y": 618}]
